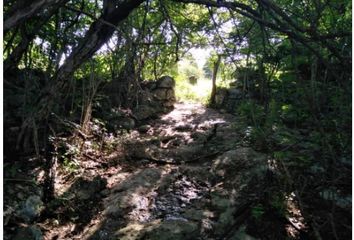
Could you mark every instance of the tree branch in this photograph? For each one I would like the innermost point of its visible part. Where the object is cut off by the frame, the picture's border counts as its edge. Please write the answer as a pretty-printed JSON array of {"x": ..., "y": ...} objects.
[{"x": 21, "y": 14}]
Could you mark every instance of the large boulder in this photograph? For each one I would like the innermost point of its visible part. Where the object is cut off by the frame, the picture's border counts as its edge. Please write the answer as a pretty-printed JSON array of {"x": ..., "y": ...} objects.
[
  {"x": 145, "y": 95},
  {"x": 242, "y": 161},
  {"x": 144, "y": 112},
  {"x": 161, "y": 94},
  {"x": 229, "y": 98},
  {"x": 132, "y": 197},
  {"x": 157, "y": 97},
  {"x": 164, "y": 92},
  {"x": 165, "y": 82}
]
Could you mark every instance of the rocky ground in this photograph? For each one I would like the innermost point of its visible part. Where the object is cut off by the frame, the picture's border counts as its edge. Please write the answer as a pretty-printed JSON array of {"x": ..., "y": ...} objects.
[{"x": 186, "y": 175}]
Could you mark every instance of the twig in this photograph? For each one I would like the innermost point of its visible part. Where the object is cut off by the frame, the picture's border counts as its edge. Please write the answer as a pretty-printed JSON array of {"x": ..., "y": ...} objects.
[{"x": 92, "y": 17}]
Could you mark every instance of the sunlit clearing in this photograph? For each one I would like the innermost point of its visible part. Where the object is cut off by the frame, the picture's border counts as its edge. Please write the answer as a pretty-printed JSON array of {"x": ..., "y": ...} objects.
[
  {"x": 182, "y": 110},
  {"x": 200, "y": 55},
  {"x": 199, "y": 92},
  {"x": 191, "y": 83}
]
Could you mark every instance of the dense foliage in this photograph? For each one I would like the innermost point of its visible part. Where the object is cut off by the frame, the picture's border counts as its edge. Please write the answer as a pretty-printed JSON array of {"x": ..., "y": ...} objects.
[{"x": 291, "y": 59}]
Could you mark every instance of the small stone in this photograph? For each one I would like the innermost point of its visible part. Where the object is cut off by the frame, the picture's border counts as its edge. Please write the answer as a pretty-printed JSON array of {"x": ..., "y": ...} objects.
[
  {"x": 124, "y": 123},
  {"x": 183, "y": 127},
  {"x": 20, "y": 195},
  {"x": 144, "y": 128}
]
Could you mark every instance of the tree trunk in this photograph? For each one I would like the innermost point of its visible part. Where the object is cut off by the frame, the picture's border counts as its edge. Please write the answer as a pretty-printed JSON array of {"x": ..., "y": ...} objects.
[
  {"x": 98, "y": 34},
  {"x": 215, "y": 73}
]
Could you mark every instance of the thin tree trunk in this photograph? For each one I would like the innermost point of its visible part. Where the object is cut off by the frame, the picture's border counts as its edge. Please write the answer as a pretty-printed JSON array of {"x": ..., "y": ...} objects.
[{"x": 213, "y": 88}]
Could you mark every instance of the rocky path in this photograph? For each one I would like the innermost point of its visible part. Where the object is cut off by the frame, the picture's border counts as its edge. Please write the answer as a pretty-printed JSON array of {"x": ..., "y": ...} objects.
[
  {"x": 190, "y": 181},
  {"x": 184, "y": 176}
]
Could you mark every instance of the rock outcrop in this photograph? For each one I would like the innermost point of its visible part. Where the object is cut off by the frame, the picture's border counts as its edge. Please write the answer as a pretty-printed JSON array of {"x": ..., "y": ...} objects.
[
  {"x": 157, "y": 97},
  {"x": 228, "y": 98},
  {"x": 154, "y": 98}
]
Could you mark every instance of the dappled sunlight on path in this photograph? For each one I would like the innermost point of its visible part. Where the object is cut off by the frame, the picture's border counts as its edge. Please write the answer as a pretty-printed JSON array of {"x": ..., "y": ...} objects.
[{"x": 183, "y": 176}]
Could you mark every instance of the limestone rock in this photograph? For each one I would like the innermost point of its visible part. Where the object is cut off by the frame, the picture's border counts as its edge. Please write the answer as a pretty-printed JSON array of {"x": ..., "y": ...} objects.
[
  {"x": 234, "y": 161},
  {"x": 144, "y": 128},
  {"x": 235, "y": 93},
  {"x": 145, "y": 111},
  {"x": 136, "y": 195},
  {"x": 166, "y": 82},
  {"x": 146, "y": 96},
  {"x": 176, "y": 229},
  {"x": 229, "y": 98},
  {"x": 160, "y": 94},
  {"x": 31, "y": 208},
  {"x": 131, "y": 231},
  {"x": 124, "y": 123}
]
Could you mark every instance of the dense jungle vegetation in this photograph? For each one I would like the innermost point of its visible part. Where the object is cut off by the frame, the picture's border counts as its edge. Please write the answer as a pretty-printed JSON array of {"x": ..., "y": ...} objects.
[{"x": 82, "y": 76}]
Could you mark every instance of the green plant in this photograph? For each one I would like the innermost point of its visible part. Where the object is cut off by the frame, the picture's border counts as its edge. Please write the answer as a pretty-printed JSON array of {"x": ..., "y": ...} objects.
[
  {"x": 257, "y": 211},
  {"x": 71, "y": 165},
  {"x": 278, "y": 204}
]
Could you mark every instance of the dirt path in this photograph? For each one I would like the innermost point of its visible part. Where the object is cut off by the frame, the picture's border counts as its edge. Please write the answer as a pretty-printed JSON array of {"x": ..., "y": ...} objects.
[{"x": 184, "y": 176}]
